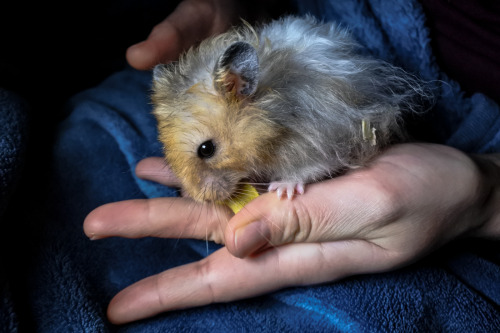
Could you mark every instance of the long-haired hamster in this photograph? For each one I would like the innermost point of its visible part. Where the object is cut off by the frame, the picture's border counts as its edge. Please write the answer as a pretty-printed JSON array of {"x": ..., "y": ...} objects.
[{"x": 287, "y": 103}]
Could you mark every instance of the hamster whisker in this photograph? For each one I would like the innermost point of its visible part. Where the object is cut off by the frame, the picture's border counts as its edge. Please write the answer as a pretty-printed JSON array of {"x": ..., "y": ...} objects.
[
  {"x": 253, "y": 183},
  {"x": 195, "y": 215},
  {"x": 218, "y": 212},
  {"x": 219, "y": 219},
  {"x": 261, "y": 187},
  {"x": 203, "y": 207}
]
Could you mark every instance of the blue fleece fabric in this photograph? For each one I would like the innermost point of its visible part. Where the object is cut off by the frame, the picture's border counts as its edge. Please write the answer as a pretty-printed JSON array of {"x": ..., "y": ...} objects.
[
  {"x": 70, "y": 279},
  {"x": 13, "y": 137}
]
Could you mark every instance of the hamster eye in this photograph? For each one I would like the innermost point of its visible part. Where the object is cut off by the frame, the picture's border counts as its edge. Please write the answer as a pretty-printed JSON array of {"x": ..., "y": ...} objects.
[{"x": 206, "y": 149}]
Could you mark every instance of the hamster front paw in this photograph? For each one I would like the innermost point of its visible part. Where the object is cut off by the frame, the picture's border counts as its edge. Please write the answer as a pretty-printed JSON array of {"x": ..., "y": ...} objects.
[{"x": 288, "y": 188}]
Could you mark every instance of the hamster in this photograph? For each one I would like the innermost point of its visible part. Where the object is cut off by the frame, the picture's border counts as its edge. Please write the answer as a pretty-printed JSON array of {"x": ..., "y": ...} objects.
[{"x": 286, "y": 104}]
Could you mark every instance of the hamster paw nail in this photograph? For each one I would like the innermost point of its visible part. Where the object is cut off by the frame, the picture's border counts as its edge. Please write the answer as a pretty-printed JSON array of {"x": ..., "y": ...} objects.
[{"x": 289, "y": 189}]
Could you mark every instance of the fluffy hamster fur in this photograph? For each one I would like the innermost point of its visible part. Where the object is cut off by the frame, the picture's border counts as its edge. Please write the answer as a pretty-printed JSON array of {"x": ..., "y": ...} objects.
[{"x": 284, "y": 102}]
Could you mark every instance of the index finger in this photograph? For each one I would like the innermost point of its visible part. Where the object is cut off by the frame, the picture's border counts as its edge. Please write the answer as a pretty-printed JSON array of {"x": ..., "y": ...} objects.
[{"x": 159, "y": 217}]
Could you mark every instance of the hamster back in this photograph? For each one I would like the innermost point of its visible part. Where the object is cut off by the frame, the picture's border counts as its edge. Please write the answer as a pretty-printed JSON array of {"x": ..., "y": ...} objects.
[{"x": 292, "y": 101}]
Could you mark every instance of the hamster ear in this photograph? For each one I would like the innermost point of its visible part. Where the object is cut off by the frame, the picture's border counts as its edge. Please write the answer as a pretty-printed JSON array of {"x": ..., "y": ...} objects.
[{"x": 237, "y": 70}]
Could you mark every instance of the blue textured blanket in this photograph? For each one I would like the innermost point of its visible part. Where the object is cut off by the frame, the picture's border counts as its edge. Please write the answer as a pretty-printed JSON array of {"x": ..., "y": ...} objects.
[
  {"x": 13, "y": 137},
  {"x": 67, "y": 282}
]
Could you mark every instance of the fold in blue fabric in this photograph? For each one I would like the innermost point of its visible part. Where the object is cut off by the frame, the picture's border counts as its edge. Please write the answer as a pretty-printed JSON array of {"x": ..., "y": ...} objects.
[{"x": 110, "y": 128}]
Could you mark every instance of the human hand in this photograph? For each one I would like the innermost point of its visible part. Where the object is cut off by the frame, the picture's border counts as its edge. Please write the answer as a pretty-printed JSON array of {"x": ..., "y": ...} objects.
[
  {"x": 191, "y": 22},
  {"x": 409, "y": 201}
]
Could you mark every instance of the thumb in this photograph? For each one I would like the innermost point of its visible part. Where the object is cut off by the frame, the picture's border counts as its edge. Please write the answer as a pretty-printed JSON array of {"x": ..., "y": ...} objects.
[
  {"x": 190, "y": 22},
  {"x": 163, "y": 45},
  {"x": 332, "y": 210},
  {"x": 171, "y": 36}
]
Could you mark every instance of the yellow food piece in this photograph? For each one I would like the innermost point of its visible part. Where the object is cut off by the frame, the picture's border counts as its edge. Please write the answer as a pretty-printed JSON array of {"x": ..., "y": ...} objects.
[
  {"x": 368, "y": 132},
  {"x": 244, "y": 195}
]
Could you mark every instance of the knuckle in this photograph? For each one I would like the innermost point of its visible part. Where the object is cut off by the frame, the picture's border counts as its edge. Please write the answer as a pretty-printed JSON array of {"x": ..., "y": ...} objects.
[
  {"x": 385, "y": 202},
  {"x": 217, "y": 220},
  {"x": 206, "y": 275},
  {"x": 304, "y": 221},
  {"x": 295, "y": 223},
  {"x": 388, "y": 199}
]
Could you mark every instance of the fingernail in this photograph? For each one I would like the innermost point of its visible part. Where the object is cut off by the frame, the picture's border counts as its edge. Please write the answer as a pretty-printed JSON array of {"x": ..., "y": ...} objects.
[
  {"x": 93, "y": 237},
  {"x": 250, "y": 238}
]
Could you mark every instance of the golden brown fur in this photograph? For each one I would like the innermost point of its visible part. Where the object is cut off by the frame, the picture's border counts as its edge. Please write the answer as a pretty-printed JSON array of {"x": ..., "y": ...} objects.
[{"x": 292, "y": 101}]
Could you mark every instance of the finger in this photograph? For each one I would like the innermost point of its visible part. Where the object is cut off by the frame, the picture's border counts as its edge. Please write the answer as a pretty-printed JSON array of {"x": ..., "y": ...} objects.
[
  {"x": 332, "y": 210},
  {"x": 160, "y": 217},
  {"x": 223, "y": 278},
  {"x": 156, "y": 169},
  {"x": 163, "y": 45},
  {"x": 189, "y": 23}
]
